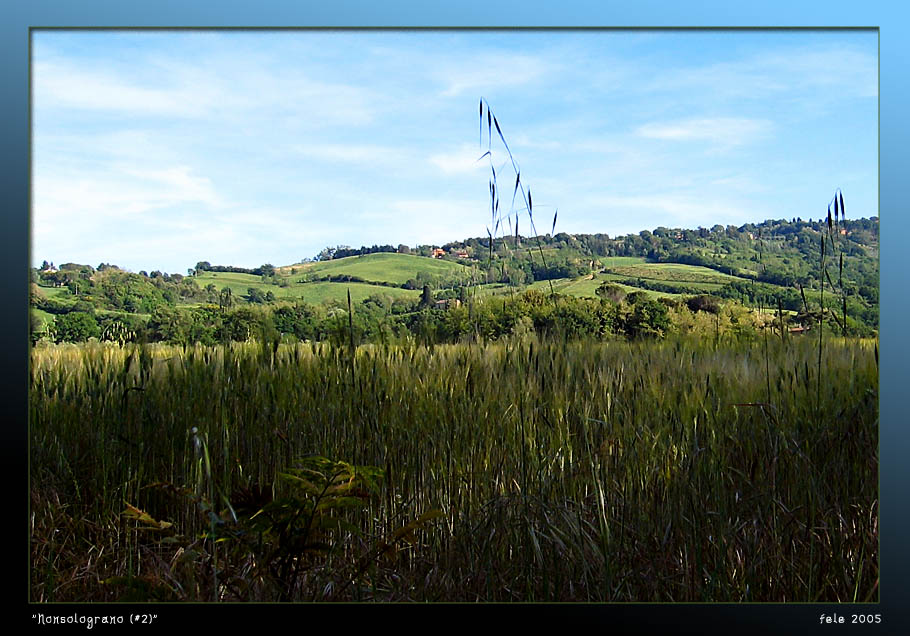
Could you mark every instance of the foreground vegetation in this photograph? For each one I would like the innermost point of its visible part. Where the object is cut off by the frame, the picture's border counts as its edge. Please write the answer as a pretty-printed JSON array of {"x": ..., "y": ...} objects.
[{"x": 724, "y": 468}]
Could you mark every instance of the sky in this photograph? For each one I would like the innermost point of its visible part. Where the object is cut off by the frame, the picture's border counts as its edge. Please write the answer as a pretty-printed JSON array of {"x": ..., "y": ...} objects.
[{"x": 154, "y": 150}]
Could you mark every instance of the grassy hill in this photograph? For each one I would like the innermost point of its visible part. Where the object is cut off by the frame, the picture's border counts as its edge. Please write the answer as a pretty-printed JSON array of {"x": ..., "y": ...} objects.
[
  {"x": 381, "y": 273},
  {"x": 773, "y": 262},
  {"x": 385, "y": 267},
  {"x": 310, "y": 292}
]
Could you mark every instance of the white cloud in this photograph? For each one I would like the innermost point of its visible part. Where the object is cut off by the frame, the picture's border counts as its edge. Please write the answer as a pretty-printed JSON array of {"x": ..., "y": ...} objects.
[
  {"x": 173, "y": 185},
  {"x": 726, "y": 131},
  {"x": 492, "y": 71},
  {"x": 793, "y": 72},
  {"x": 66, "y": 85},
  {"x": 218, "y": 88},
  {"x": 120, "y": 192},
  {"x": 352, "y": 153}
]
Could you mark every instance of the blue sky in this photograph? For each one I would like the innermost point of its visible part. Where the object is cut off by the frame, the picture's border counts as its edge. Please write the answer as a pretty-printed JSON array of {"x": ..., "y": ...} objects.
[{"x": 159, "y": 149}]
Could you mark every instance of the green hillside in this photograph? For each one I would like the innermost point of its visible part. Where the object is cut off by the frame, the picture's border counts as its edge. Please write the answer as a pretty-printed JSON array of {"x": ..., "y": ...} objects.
[
  {"x": 380, "y": 267},
  {"x": 384, "y": 274},
  {"x": 240, "y": 283},
  {"x": 317, "y": 293},
  {"x": 774, "y": 264}
]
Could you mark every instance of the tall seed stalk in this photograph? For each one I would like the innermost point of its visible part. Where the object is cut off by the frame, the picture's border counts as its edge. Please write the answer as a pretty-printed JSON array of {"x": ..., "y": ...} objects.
[{"x": 496, "y": 221}]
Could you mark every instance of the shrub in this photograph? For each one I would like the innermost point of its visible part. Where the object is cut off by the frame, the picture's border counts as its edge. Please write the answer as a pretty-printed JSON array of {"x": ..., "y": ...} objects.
[{"x": 77, "y": 326}]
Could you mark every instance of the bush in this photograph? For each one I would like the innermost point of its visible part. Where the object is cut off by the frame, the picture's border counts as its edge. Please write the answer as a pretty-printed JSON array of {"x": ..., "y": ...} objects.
[
  {"x": 704, "y": 302},
  {"x": 611, "y": 291},
  {"x": 649, "y": 318},
  {"x": 77, "y": 326}
]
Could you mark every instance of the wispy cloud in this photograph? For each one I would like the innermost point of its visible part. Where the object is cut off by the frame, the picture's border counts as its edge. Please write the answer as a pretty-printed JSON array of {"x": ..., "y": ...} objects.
[
  {"x": 100, "y": 207},
  {"x": 483, "y": 72},
  {"x": 61, "y": 84},
  {"x": 432, "y": 219},
  {"x": 162, "y": 149},
  {"x": 794, "y": 71},
  {"x": 352, "y": 153},
  {"x": 725, "y": 131},
  {"x": 217, "y": 88}
]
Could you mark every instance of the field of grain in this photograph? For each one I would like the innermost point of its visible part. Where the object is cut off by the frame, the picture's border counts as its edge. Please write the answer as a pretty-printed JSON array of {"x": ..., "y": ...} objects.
[{"x": 514, "y": 471}]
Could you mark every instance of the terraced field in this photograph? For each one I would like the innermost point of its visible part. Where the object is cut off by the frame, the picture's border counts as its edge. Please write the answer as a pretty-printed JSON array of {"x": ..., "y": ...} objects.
[
  {"x": 622, "y": 269},
  {"x": 586, "y": 287},
  {"x": 673, "y": 273}
]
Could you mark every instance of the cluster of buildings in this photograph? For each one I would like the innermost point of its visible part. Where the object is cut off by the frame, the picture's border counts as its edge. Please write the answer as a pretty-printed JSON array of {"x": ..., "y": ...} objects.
[{"x": 439, "y": 253}]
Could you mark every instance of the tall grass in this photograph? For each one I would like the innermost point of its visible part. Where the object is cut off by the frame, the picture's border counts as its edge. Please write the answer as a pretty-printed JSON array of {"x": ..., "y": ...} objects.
[
  {"x": 496, "y": 217},
  {"x": 563, "y": 471}
]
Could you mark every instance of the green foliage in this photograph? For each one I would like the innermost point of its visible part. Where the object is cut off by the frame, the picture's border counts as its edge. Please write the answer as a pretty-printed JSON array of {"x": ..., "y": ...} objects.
[
  {"x": 426, "y": 297},
  {"x": 170, "y": 324},
  {"x": 308, "y": 521},
  {"x": 77, "y": 326},
  {"x": 704, "y": 303},
  {"x": 39, "y": 328},
  {"x": 254, "y": 295},
  {"x": 648, "y": 318},
  {"x": 299, "y": 319},
  {"x": 130, "y": 292},
  {"x": 611, "y": 291}
]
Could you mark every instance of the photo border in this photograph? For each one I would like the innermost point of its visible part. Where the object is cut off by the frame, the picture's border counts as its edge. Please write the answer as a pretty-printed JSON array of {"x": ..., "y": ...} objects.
[{"x": 894, "y": 166}]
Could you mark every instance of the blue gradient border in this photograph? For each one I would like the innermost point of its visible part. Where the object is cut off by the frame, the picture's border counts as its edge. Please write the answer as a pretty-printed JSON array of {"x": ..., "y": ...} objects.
[{"x": 892, "y": 20}]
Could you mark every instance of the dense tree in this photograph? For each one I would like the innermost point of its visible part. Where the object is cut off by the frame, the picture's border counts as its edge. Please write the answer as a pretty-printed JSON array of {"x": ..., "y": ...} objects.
[
  {"x": 648, "y": 318},
  {"x": 426, "y": 297},
  {"x": 703, "y": 302},
  {"x": 170, "y": 324},
  {"x": 76, "y": 326},
  {"x": 611, "y": 291}
]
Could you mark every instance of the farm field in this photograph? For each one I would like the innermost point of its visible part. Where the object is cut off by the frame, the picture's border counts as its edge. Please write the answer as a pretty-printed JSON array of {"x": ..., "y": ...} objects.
[
  {"x": 520, "y": 470},
  {"x": 239, "y": 283},
  {"x": 620, "y": 261},
  {"x": 314, "y": 292},
  {"x": 58, "y": 293},
  {"x": 317, "y": 293},
  {"x": 385, "y": 267},
  {"x": 395, "y": 269},
  {"x": 585, "y": 287},
  {"x": 620, "y": 270},
  {"x": 673, "y": 272}
]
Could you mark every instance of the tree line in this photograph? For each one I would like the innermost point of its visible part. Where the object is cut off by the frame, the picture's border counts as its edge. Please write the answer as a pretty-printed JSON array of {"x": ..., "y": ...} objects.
[{"x": 378, "y": 319}]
